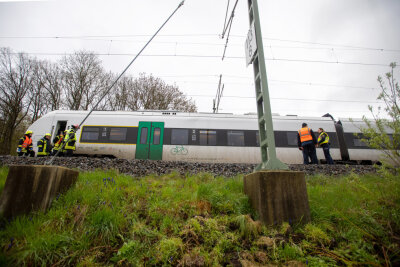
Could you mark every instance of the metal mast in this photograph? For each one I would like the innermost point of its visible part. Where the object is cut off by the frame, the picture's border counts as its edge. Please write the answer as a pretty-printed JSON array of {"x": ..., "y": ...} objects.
[{"x": 255, "y": 55}]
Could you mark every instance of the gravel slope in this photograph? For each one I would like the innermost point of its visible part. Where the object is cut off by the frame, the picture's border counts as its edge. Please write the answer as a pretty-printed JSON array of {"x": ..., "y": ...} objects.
[{"x": 140, "y": 168}]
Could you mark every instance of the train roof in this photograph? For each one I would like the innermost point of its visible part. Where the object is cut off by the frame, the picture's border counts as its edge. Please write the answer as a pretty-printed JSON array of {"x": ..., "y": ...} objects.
[{"x": 169, "y": 113}]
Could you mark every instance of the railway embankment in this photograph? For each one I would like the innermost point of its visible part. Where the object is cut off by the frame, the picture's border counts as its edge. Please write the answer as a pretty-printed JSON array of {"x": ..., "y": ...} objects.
[{"x": 140, "y": 168}]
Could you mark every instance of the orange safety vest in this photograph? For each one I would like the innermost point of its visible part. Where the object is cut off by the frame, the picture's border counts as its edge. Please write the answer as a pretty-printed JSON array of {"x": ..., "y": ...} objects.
[
  {"x": 60, "y": 139},
  {"x": 27, "y": 142},
  {"x": 305, "y": 134}
]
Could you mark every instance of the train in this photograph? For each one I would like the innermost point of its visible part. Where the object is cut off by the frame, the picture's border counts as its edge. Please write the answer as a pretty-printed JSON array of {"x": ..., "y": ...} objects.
[{"x": 200, "y": 137}]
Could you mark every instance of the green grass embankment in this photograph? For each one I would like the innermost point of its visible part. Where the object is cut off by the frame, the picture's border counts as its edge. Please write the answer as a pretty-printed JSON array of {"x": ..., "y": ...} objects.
[{"x": 113, "y": 219}]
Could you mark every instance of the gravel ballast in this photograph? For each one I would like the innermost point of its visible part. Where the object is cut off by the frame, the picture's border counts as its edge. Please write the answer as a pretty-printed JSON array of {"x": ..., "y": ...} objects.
[{"x": 139, "y": 168}]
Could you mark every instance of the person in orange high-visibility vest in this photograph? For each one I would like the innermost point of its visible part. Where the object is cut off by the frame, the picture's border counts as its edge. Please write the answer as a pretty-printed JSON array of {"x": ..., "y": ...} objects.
[
  {"x": 25, "y": 147},
  {"x": 307, "y": 142}
]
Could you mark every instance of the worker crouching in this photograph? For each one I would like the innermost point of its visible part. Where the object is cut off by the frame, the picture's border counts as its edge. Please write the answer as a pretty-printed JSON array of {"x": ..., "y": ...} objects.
[
  {"x": 44, "y": 146},
  {"x": 25, "y": 147},
  {"x": 307, "y": 142}
]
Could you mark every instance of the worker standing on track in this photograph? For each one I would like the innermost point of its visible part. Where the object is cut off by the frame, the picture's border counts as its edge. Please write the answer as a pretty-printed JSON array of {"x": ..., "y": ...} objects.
[
  {"x": 25, "y": 147},
  {"x": 307, "y": 142},
  {"x": 57, "y": 143},
  {"x": 44, "y": 146},
  {"x": 70, "y": 138},
  {"x": 323, "y": 141}
]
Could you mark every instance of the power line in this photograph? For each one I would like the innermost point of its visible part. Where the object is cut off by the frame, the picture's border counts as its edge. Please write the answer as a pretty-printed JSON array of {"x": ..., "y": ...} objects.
[
  {"x": 212, "y": 56},
  {"x": 226, "y": 16},
  {"x": 271, "y": 80},
  {"x": 228, "y": 27},
  {"x": 295, "y": 99},
  {"x": 218, "y": 96},
  {"x": 286, "y": 111},
  {"x": 200, "y": 35},
  {"x": 325, "y": 44}
]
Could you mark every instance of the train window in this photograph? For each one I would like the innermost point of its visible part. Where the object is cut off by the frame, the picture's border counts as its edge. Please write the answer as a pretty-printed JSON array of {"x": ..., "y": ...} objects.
[
  {"x": 179, "y": 136},
  {"x": 292, "y": 138},
  {"x": 143, "y": 135},
  {"x": 359, "y": 143},
  {"x": 208, "y": 138},
  {"x": 118, "y": 134},
  {"x": 90, "y": 134},
  {"x": 156, "y": 136},
  {"x": 235, "y": 138}
]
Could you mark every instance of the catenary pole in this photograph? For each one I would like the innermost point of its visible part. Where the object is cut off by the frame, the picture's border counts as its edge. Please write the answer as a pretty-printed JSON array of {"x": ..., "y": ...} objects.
[
  {"x": 255, "y": 55},
  {"x": 49, "y": 162}
]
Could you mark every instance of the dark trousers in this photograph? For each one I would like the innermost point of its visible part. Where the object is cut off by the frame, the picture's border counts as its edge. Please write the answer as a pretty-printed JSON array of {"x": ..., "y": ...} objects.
[
  {"x": 309, "y": 151},
  {"x": 68, "y": 153},
  {"x": 325, "y": 148}
]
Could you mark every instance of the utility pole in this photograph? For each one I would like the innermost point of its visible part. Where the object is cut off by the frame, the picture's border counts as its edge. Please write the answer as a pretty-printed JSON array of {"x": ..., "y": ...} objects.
[
  {"x": 255, "y": 55},
  {"x": 278, "y": 196}
]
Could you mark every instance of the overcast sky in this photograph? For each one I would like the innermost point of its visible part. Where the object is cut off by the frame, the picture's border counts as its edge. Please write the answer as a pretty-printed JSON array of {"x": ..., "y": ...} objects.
[{"x": 301, "y": 40}]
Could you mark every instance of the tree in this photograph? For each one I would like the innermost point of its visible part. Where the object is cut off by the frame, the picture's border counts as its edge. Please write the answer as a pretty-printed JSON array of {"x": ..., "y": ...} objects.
[
  {"x": 16, "y": 81},
  {"x": 155, "y": 94},
  {"x": 384, "y": 133},
  {"x": 123, "y": 97},
  {"x": 83, "y": 80},
  {"x": 50, "y": 77},
  {"x": 37, "y": 95},
  {"x": 148, "y": 92}
]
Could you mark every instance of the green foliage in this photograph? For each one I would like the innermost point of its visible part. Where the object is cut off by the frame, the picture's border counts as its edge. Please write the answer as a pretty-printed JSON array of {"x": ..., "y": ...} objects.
[
  {"x": 169, "y": 250},
  {"x": 224, "y": 195},
  {"x": 131, "y": 252},
  {"x": 113, "y": 219},
  {"x": 376, "y": 133},
  {"x": 104, "y": 225},
  {"x": 3, "y": 178},
  {"x": 316, "y": 234},
  {"x": 247, "y": 227}
]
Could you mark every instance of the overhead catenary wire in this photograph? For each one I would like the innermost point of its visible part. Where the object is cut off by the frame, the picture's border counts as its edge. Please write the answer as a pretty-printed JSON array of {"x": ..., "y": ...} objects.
[
  {"x": 117, "y": 79},
  {"x": 226, "y": 16},
  {"x": 218, "y": 96},
  {"x": 90, "y": 37},
  {"x": 228, "y": 27},
  {"x": 295, "y": 99},
  {"x": 251, "y": 79},
  {"x": 214, "y": 56},
  {"x": 227, "y": 24}
]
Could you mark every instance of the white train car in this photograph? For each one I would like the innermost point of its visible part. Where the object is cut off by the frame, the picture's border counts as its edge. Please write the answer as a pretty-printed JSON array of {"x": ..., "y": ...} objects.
[
  {"x": 178, "y": 136},
  {"x": 357, "y": 150}
]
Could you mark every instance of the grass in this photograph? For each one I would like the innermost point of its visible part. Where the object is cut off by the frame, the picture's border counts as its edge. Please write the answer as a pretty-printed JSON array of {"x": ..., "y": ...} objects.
[{"x": 113, "y": 219}]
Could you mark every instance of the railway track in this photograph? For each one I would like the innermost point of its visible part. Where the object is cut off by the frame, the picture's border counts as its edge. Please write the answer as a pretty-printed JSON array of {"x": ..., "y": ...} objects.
[{"x": 140, "y": 168}]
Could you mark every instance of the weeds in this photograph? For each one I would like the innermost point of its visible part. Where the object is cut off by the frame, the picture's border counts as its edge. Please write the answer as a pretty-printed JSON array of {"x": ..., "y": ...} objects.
[
  {"x": 201, "y": 220},
  {"x": 3, "y": 176}
]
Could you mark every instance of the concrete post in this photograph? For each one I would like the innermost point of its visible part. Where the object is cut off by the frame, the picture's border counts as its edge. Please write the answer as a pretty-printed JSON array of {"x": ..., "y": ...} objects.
[
  {"x": 30, "y": 188},
  {"x": 278, "y": 196}
]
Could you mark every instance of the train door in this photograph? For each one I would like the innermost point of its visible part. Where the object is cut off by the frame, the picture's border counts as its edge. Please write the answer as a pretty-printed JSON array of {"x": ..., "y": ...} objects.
[
  {"x": 60, "y": 127},
  {"x": 150, "y": 140}
]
